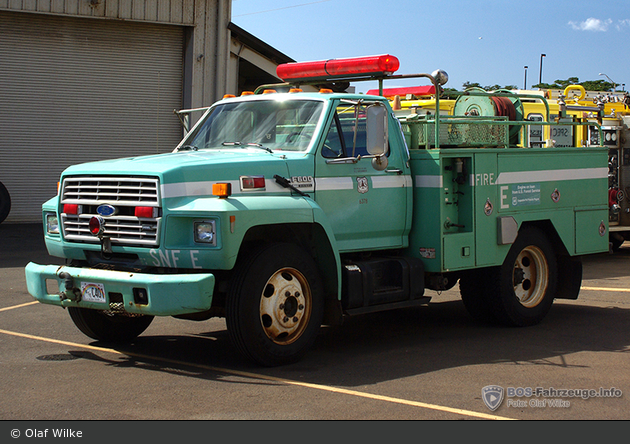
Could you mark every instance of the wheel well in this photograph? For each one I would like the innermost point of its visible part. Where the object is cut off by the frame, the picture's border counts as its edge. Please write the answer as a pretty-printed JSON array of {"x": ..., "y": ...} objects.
[
  {"x": 313, "y": 239},
  {"x": 552, "y": 234},
  {"x": 569, "y": 267}
]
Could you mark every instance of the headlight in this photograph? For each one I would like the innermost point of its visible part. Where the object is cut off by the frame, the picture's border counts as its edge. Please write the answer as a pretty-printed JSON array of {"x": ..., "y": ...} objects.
[
  {"x": 205, "y": 232},
  {"x": 52, "y": 223}
]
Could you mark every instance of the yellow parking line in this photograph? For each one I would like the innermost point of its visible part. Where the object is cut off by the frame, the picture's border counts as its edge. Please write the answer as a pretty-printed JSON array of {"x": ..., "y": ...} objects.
[
  {"x": 624, "y": 290},
  {"x": 19, "y": 306},
  {"x": 268, "y": 378}
]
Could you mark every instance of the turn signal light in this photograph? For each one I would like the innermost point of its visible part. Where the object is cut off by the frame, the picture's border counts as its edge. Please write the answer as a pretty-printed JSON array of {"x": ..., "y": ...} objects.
[
  {"x": 145, "y": 212},
  {"x": 72, "y": 208},
  {"x": 222, "y": 190}
]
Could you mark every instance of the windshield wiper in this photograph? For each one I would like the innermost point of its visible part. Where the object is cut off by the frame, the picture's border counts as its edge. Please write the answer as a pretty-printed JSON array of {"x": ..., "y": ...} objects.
[
  {"x": 187, "y": 148},
  {"x": 246, "y": 145},
  {"x": 283, "y": 181}
]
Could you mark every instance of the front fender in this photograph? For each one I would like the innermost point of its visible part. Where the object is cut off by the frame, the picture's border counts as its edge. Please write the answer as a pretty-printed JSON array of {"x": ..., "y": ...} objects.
[{"x": 235, "y": 217}]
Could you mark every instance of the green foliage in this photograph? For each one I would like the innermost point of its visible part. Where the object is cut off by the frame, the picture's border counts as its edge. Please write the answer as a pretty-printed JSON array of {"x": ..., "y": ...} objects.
[
  {"x": 467, "y": 85},
  {"x": 589, "y": 85}
]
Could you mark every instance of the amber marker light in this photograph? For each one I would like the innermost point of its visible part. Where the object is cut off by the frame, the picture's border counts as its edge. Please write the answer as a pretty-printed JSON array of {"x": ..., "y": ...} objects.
[{"x": 222, "y": 190}]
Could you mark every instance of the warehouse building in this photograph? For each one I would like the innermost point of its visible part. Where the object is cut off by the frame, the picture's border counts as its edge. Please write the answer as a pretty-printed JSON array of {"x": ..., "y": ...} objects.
[{"x": 84, "y": 80}]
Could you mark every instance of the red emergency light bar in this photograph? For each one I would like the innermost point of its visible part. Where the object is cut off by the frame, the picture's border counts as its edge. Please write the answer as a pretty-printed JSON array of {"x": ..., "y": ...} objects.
[
  {"x": 379, "y": 65},
  {"x": 417, "y": 91}
]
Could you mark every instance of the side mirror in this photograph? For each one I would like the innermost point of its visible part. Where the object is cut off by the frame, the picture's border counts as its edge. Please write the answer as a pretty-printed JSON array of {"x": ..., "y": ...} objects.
[{"x": 376, "y": 120}]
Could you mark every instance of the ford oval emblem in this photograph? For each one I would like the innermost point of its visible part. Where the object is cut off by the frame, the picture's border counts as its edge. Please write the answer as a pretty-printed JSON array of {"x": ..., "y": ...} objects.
[{"x": 106, "y": 210}]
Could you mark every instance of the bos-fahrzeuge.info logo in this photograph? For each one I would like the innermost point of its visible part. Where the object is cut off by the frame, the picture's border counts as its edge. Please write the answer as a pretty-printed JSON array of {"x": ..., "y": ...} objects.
[{"x": 493, "y": 396}]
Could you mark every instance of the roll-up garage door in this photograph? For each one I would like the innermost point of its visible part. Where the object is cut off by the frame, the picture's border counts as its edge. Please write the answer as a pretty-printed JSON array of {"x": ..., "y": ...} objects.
[{"x": 75, "y": 90}]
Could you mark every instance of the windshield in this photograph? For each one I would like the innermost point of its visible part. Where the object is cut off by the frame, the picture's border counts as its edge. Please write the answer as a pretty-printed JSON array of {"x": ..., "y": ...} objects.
[{"x": 286, "y": 125}]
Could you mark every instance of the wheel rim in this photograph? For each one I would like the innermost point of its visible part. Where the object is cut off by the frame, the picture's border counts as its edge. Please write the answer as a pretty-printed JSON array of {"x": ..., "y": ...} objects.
[
  {"x": 531, "y": 276},
  {"x": 285, "y": 306}
]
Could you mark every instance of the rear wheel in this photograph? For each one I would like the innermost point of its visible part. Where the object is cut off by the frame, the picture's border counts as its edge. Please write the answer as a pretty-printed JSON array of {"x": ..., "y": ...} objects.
[
  {"x": 275, "y": 305},
  {"x": 616, "y": 240},
  {"x": 521, "y": 291},
  {"x": 108, "y": 327}
]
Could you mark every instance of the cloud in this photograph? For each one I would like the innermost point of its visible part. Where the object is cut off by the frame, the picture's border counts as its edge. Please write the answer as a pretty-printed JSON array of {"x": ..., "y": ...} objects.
[
  {"x": 592, "y": 24},
  {"x": 621, "y": 24}
]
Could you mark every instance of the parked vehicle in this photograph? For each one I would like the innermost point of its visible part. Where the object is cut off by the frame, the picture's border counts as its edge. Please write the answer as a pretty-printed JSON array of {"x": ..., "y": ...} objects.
[{"x": 283, "y": 211}]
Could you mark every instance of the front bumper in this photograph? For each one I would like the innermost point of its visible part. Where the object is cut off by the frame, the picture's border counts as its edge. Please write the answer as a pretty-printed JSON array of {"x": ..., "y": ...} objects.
[{"x": 131, "y": 292}]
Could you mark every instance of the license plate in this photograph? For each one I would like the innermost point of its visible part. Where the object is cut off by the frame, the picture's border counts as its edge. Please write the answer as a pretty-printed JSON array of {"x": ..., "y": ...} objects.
[{"x": 92, "y": 292}]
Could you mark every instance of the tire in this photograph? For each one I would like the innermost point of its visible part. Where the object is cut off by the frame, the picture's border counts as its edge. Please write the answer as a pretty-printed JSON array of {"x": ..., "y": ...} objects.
[
  {"x": 472, "y": 288},
  {"x": 616, "y": 240},
  {"x": 275, "y": 304},
  {"x": 522, "y": 290},
  {"x": 108, "y": 327},
  {"x": 5, "y": 203}
]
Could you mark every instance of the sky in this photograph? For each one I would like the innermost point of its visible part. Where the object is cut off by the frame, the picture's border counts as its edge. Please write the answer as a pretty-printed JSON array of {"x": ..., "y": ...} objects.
[{"x": 483, "y": 41}]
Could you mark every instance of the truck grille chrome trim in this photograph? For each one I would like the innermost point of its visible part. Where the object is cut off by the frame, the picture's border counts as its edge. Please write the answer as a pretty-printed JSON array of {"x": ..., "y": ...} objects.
[
  {"x": 122, "y": 193},
  {"x": 111, "y": 190}
]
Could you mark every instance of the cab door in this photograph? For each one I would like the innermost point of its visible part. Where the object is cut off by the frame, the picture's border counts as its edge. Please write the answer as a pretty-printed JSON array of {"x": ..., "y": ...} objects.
[{"x": 366, "y": 206}]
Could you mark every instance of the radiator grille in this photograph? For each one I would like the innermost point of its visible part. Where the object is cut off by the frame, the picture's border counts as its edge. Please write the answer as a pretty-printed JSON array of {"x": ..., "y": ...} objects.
[
  {"x": 122, "y": 190},
  {"x": 124, "y": 194}
]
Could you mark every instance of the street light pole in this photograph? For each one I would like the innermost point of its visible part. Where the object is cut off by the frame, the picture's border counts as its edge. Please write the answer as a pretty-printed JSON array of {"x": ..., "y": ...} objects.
[
  {"x": 540, "y": 75},
  {"x": 525, "y": 81},
  {"x": 611, "y": 81}
]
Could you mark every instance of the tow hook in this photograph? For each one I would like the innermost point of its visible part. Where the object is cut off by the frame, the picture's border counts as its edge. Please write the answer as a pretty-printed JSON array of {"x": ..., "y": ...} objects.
[{"x": 71, "y": 292}]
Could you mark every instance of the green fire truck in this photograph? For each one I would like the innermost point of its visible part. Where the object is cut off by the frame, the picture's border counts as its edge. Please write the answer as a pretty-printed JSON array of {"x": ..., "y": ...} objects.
[{"x": 286, "y": 209}]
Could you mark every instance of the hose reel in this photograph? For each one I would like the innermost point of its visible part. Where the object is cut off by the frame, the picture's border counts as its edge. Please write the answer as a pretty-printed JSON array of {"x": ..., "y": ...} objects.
[{"x": 480, "y": 103}]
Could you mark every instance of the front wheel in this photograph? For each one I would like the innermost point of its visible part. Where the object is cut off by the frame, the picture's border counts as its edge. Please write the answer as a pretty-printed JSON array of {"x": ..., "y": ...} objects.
[
  {"x": 109, "y": 327},
  {"x": 275, "y": 305},
  {"x": 522, "y": 290}
]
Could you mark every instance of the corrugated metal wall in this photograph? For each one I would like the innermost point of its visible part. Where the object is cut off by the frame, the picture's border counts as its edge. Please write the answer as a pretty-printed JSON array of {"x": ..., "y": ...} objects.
[
  {"x": 111, "y": 86},
  {"x": 180, "y": 12}
]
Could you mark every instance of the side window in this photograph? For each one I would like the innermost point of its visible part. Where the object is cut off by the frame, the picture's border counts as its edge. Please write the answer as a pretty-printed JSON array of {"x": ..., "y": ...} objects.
[
  {"x": 347, "y": 135},
  {"x": 333, "y": 146}
]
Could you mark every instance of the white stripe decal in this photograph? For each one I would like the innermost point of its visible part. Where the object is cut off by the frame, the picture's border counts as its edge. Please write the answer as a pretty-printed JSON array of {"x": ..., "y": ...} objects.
[
  {"x": 551, "y": 175},
  {"x": 199, "y": 189},
  {"x": 334, "y": 183},
  {"x": 428, "y": 181},
  {"x": 390, "y": 181}
]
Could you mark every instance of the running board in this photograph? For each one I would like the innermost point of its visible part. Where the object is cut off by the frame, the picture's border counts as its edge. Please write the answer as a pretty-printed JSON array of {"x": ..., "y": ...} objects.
[{"x": 382, "y": 283}]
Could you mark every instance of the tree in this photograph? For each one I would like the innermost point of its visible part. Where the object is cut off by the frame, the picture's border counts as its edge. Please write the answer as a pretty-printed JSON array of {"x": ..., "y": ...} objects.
[
  {"x": 589, "y": 85},
  {"x": 467, "y": 85}
]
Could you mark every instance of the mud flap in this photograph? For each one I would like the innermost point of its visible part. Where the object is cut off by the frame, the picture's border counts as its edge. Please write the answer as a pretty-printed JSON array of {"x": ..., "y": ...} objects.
[{"x": 569, "y": 277}]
